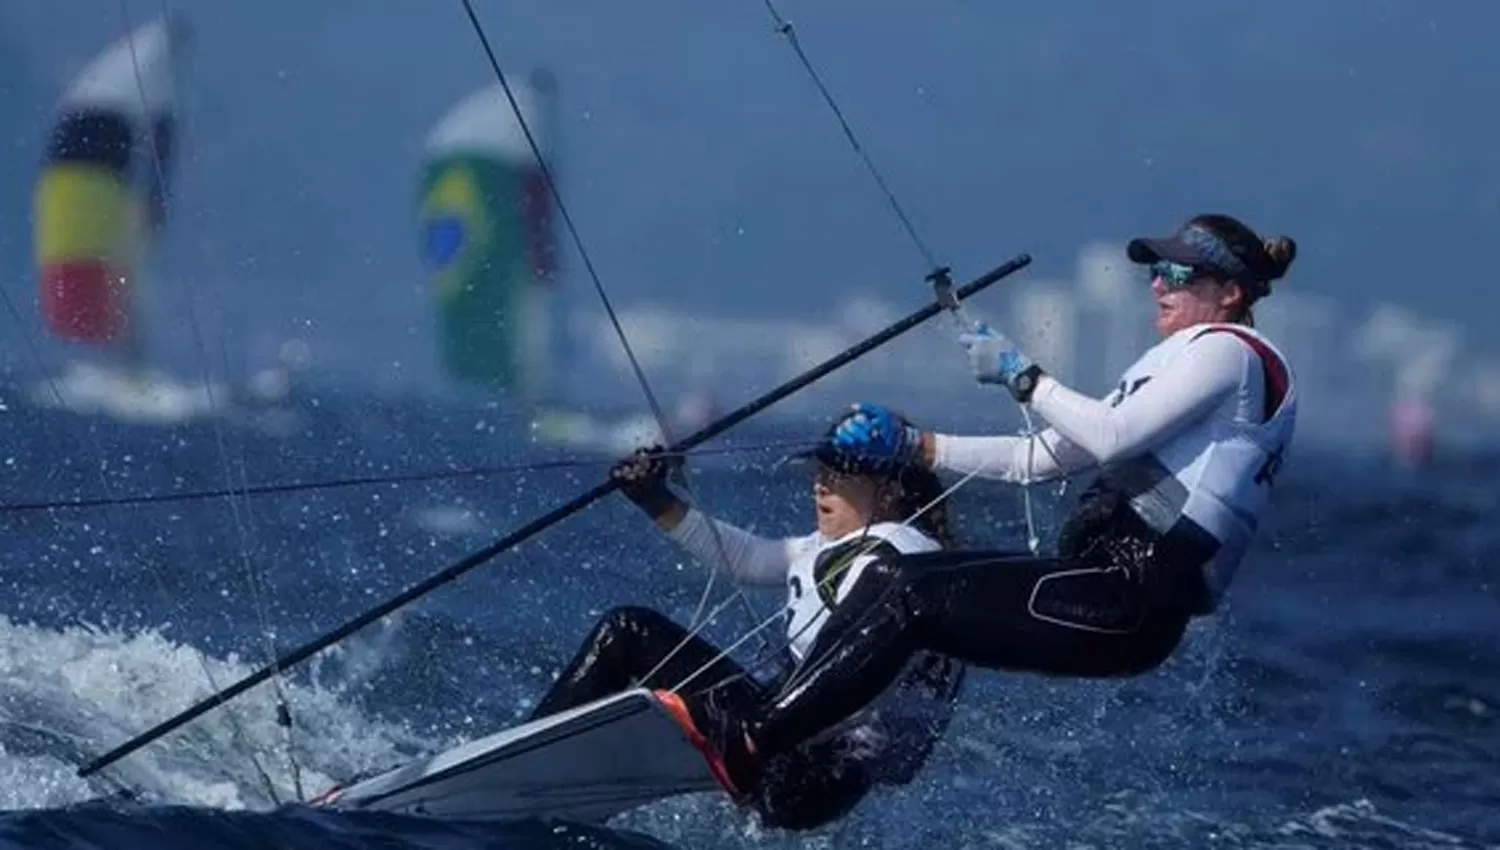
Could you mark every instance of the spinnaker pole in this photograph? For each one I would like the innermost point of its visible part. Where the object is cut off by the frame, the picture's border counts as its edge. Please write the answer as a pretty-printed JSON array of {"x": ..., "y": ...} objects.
[{"x": 542, "y": 523}]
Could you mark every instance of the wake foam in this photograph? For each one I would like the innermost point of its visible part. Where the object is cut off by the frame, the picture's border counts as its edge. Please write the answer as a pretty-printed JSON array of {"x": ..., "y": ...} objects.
[{"x": 67, "y": 696}]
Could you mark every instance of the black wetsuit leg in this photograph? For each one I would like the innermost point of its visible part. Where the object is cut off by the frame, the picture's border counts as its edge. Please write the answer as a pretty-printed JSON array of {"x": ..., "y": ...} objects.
[
  {"x": 811, "y": 785},
  {"x": 1107, "y": 610},
  {"x": 806, "y": 787},
  {"x": 628, "y": 643},
  {"x": 820, "y": 780}
]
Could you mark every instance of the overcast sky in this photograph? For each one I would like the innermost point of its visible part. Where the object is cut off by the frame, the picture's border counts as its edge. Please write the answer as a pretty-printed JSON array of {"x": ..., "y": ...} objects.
[{"x": 707, "y": 176}]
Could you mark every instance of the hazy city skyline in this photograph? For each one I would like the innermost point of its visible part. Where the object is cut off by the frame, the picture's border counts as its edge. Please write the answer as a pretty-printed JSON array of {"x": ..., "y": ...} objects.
[{"x": 710, "y": 181}]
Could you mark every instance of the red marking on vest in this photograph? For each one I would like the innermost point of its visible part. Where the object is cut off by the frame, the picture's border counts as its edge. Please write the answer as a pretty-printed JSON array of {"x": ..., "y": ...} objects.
[
  {"x": 1277, "y": 380},
  {"x": 330, "y": 796}
]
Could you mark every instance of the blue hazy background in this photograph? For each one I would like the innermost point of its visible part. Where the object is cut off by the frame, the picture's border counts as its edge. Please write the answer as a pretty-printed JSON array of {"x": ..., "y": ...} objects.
[
  {"x": 731, "y": 223},
  {"x": 704, "y": 171}
]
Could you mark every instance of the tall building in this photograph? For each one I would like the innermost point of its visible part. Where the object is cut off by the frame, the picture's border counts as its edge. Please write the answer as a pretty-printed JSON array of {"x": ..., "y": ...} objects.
[
  {"x": 1115, "y": 314},
  {"x": 1046, "y": 322}
]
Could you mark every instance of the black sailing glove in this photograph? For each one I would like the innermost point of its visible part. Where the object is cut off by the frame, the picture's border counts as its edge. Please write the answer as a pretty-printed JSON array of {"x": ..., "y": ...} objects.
[{"x": 643, "y": 480}]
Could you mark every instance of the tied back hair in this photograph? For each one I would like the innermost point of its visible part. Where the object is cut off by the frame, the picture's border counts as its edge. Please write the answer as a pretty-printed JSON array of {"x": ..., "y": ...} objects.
[
  {"x": 921, "y": 487},
  {"x": 1268, "y": 258}
]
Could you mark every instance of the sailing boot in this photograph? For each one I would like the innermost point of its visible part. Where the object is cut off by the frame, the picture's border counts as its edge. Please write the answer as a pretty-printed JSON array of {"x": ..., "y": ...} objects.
[{"x": 722, "y": 735}]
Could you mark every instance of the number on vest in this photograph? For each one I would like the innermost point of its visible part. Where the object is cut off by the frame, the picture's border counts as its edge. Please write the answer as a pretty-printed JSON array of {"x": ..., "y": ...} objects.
[{"x": 796, "y": 582}]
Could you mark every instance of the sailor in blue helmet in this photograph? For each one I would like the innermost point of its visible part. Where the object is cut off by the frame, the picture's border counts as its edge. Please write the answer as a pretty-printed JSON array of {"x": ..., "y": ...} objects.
[
  {"x": 868, "y": 510},
  {"x": 1186, "y": 447}
]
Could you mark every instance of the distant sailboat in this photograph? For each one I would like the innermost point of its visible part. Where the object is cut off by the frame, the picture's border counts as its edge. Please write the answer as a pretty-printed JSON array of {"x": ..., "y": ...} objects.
[
  {"x": 100, "y": 205},
  {"x": 485, "y": 219},
  {"x": 1413, "y": 431},
  {"x": 488, "y": 241}
]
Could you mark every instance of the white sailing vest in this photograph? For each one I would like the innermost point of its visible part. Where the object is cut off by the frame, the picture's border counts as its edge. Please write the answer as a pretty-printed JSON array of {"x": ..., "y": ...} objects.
[
  {"x": 1209, "y": 484},
  {"x": 893, "y": 735},
  {"x": 820, "y": 575}
]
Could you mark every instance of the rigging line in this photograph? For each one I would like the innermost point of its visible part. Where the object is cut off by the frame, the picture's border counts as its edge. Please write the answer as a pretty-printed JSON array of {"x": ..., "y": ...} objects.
[
  {"x": 966, "y": 324},
  {"x": 864, "y": 536},
  {"x": 768, "y": 654},
  {"x": 562, "y": 210},
  {"x": 785, "y": 28},
  {"x": 259, "y": 582},
  {"x": 640, "y": 375},
  {"x": 1031, "y": 541},
  {"x": 939, "y": 275},
  {"x": 735, "y": 592},
  {"x": 480, "y": 557},
  {"x": 847, "y": 562},
  {"x": 708, "y": 586},
  {"x": 99, "y": 452},
  {"x": 159, "y": 172},
  {"x": 52, "y": 386},
  {"x": 359, "y": 481}
]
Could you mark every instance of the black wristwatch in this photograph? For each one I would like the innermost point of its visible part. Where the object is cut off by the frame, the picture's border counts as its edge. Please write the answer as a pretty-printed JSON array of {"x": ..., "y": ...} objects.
[
  {"x": 658, "y": 502},
  {"x": 1025, "y": 383}
]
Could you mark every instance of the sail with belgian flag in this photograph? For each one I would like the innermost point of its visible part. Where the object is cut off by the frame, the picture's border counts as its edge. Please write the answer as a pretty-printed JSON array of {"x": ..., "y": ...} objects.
[
  {"x": 99, "y": 208},
  {"x": 101, "y": 197}
]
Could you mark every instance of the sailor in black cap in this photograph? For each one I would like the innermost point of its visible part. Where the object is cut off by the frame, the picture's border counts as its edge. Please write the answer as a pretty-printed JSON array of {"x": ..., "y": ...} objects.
[{"x": 1186, "y": 449}]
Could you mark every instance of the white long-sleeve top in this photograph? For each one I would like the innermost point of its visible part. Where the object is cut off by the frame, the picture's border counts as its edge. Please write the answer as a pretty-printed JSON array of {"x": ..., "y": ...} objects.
[
  {"x": 1194, "y": 435},
  {"x": 1084, "y": 432},
  {"x": 818, "y": 571},
  {"x": 746, "y": 556},
  {"x": 894, "y": 734}
]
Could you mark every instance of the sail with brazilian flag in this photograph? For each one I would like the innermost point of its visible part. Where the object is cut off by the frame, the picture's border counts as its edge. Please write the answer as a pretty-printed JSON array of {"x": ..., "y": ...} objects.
[{"x": 487, "y": 239}]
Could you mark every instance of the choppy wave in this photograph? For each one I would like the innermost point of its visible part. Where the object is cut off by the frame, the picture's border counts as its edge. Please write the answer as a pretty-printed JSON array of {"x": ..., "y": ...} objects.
[{"x": 1347, "y": 697}]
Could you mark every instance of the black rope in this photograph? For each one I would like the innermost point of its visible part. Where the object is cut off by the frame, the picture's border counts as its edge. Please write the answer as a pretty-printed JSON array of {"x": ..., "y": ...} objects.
[
  {"x": 246, "y": 533},
  {"x": 784, "y": 27},
  {"x": 282, "y": 488},
  {"x": 567, "y": 218},
  {"x": 479, "y": 557},
  {"x": 640, "y": 375}
]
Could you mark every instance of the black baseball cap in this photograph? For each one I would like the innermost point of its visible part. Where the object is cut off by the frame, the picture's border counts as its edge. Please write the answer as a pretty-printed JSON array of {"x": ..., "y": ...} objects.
[{"x": 1197, "y": 246}]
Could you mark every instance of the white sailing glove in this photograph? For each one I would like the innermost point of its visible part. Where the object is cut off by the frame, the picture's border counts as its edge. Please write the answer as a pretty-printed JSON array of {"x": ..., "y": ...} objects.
[{"x": 996, "y": 360}]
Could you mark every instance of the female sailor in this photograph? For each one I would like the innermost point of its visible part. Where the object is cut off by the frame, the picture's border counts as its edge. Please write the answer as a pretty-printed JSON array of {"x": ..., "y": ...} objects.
[
  {"x": 1187, "y": 447},
  {"x": 866, "y": 514}
]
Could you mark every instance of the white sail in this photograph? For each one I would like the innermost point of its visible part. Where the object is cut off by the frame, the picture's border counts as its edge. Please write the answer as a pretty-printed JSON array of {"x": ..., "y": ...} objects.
[{"x": 134, "y": 74}]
